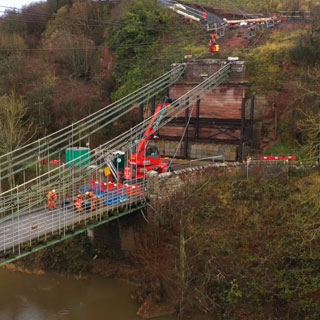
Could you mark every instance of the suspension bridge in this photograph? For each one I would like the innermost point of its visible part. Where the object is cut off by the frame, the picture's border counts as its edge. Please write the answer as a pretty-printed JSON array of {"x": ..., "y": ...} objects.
[{"x": 26, "y": 224}]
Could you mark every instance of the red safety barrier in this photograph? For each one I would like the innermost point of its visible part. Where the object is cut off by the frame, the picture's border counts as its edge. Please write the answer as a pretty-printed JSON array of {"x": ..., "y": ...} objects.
[
  {"x": 101, "y": 185},
  {"x": 55, "y": 161},
  {"x": 278, "y": 158},
  {"x": 105, "y": 186},
  {"x": 114, "y": 186},
  {"x": 132, "y": 190}
]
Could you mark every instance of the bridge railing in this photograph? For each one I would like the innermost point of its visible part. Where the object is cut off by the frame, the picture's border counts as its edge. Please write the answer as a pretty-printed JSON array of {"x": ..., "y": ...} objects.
[{"x": 41, "y": 225}]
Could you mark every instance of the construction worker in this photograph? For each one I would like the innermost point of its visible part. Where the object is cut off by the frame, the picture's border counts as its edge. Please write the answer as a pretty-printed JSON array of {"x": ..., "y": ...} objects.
[
  {"x": 214, "y": 36},
  {"x": 93, "y": 199},
  {"x": 51, "y": 199},
  {"x": 213, "y": 46},
  {"x": 79, "y": 203}
]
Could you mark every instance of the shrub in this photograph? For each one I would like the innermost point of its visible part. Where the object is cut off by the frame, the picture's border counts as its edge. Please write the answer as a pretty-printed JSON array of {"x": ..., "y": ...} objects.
[
  {"x": 77, "y": 53},
  {"x": 13, "y": 42}
]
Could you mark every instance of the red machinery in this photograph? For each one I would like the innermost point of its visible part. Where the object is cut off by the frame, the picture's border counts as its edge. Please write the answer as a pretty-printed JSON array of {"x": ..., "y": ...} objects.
[{"x": 148, "y": 158}]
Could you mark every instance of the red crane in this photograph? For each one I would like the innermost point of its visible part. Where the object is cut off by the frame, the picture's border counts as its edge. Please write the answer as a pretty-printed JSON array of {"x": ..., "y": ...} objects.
[{"x": 148, "y": 158}]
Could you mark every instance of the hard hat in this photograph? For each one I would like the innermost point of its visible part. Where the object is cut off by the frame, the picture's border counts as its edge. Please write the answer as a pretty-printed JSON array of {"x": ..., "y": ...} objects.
[
  {"x": 87, "y": 192},
  {"x": 54, "y": 190}
]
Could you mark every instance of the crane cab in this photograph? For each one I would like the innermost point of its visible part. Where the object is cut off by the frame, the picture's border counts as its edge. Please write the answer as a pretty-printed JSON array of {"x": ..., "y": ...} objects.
[
  {"x": 150, "y": 161},
  {"x": 152, "y": 152},
  {"x": 150, "y": 158}
]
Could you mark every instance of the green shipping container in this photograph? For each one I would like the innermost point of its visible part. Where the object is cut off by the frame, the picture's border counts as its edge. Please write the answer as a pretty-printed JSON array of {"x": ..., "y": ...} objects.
[{"x": 81, "y": 157}]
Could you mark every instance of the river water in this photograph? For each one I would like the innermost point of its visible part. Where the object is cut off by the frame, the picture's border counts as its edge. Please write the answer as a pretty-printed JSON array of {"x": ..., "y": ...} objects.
[{"x": 52, "y": 297}]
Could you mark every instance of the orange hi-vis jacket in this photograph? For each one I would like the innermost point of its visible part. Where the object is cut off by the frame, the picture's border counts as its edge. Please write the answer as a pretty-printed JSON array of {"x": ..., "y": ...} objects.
[
  {"x": 51, "y": 198},
  {"x": 79, "y": 202}
]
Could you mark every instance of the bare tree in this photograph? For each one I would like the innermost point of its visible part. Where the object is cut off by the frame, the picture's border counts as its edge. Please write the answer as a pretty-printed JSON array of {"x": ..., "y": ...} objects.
[
  {"x": 308, "y": 123},
  {"x": 309, "y": 126},
  {"x": 15, "y": 128}
]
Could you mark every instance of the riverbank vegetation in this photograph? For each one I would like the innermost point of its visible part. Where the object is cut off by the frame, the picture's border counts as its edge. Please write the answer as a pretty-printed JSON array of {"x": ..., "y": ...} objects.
[{"x": 236, "y": 248}]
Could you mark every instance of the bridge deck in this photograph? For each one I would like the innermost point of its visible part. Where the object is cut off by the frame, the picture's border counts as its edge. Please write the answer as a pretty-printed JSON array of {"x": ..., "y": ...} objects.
[{"x": 20, "y": 234}]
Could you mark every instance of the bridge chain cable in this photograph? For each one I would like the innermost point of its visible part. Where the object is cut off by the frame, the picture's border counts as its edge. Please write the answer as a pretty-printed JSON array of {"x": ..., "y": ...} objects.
[
  {"x": 100, "y": 119},
  {"x": 176, "y": 71}
]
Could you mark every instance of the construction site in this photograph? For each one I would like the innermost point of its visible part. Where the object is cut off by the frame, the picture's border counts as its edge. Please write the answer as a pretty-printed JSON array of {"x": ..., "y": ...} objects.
[{"x": 153, "y": 158}]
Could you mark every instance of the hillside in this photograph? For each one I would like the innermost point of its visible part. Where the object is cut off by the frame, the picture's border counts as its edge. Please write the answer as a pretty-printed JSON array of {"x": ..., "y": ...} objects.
[
  {"x": 64, "y": 60},
  {"x": 237, "y": 248}
]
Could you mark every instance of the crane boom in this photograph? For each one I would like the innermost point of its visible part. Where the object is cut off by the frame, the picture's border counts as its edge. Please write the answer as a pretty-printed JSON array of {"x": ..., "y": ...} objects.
[
  {"x": 148, "y": 158},
  {"x": 153, "y": 126}
]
